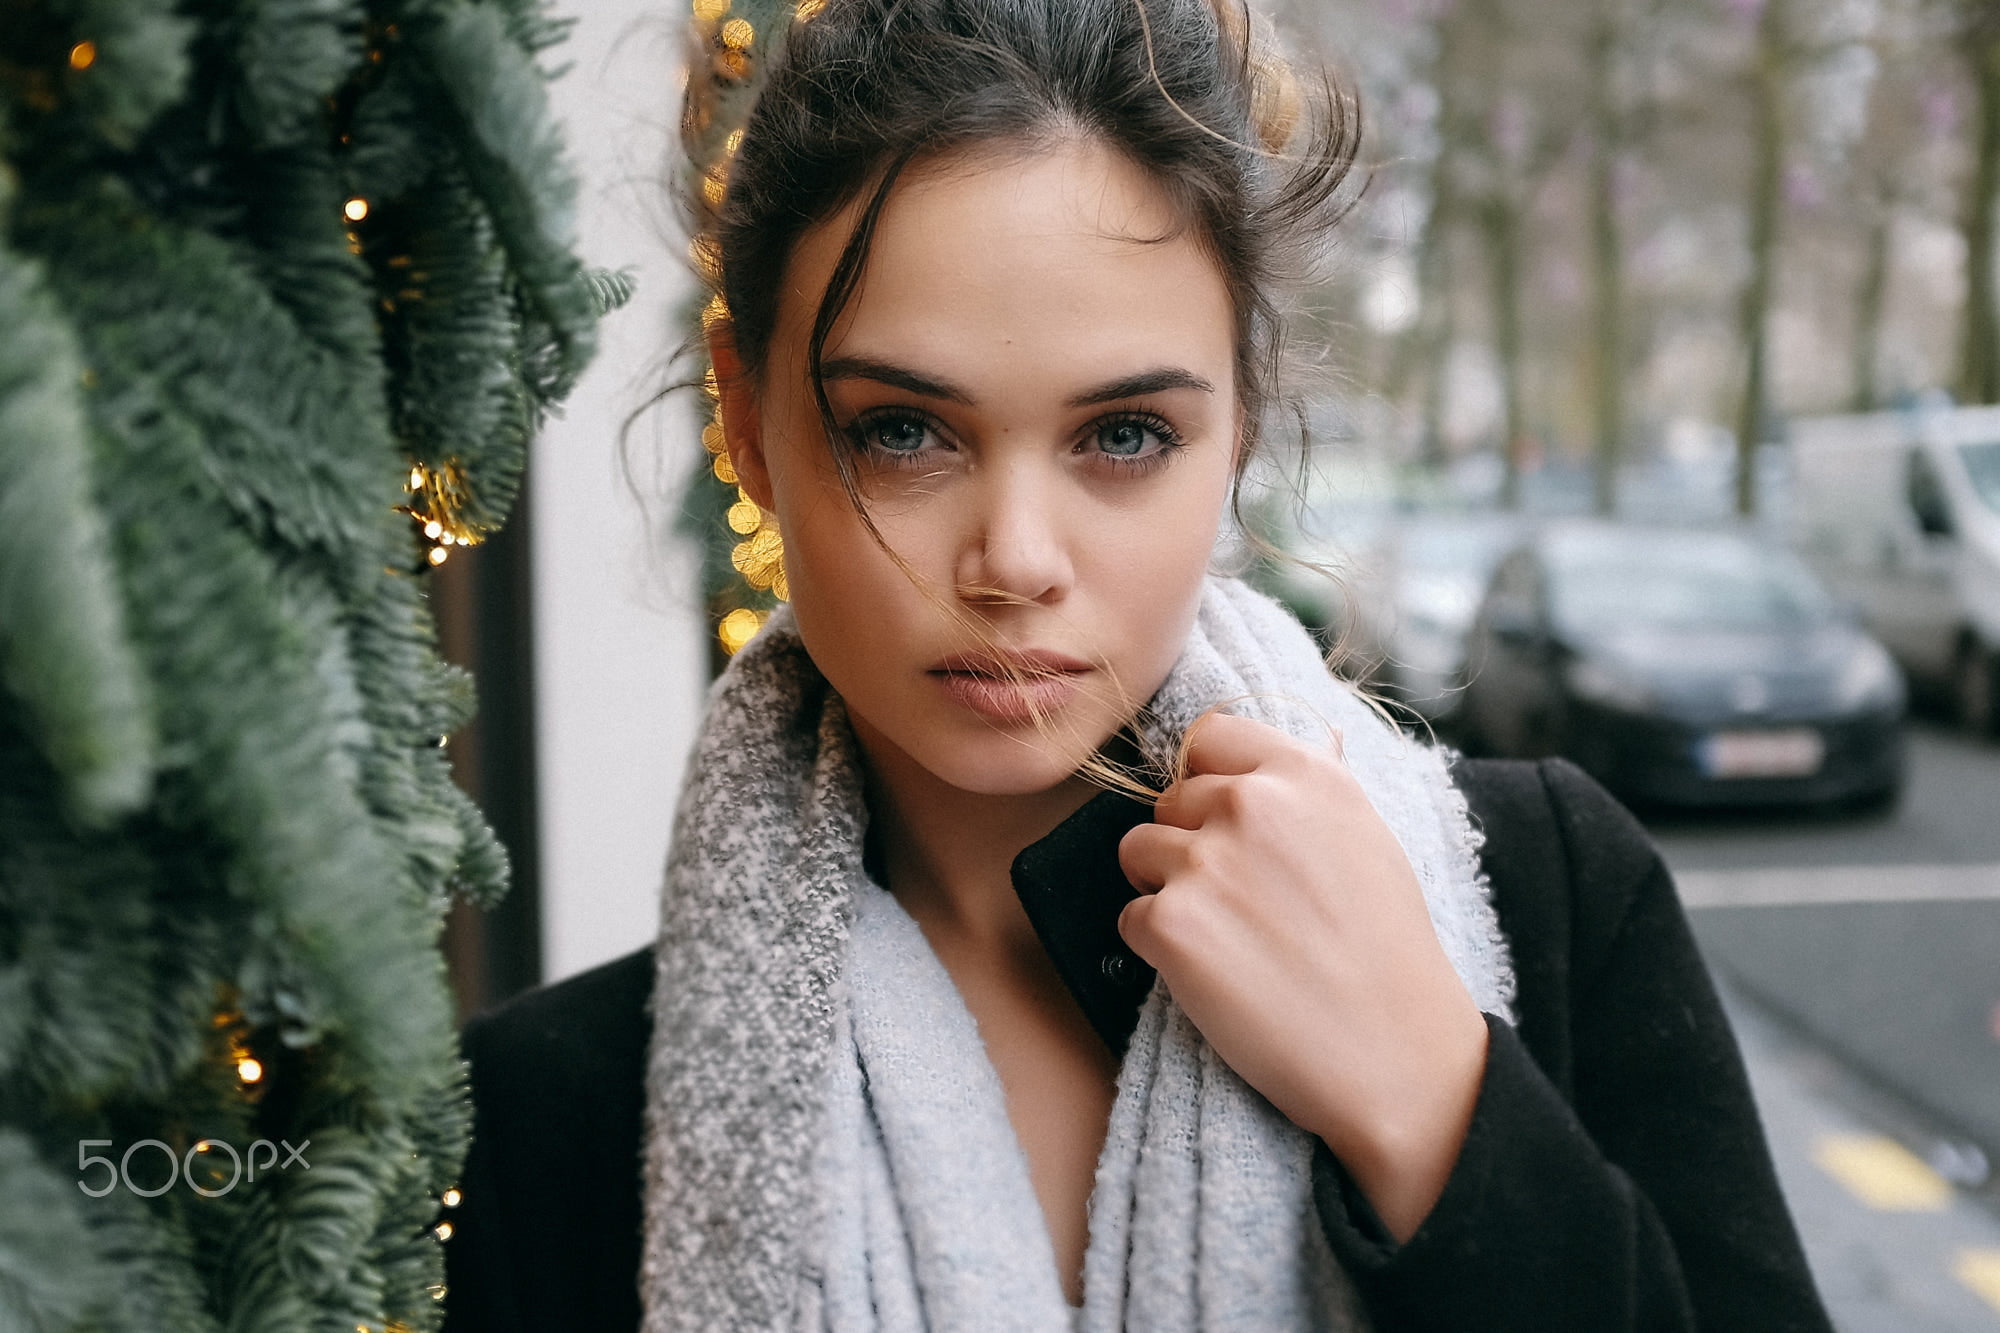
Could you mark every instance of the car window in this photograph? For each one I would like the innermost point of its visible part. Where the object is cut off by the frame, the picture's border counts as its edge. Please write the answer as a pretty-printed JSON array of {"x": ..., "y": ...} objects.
[
  {"x": 1926, "y": 496},
  {"x": 1674, "y": 583},
  {"x": 1982, "y": 464}
]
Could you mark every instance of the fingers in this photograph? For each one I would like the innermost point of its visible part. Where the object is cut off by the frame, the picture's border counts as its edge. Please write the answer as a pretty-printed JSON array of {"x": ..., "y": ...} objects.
[
  {"x": 1137, "y": 927},
  {"x": 1152, "y": 854},
  {"x": 1220, "y": 742},
  {"x": 1193, "y": 801},
  {"x": 1166, "y": 928},
  {"x": 1224, "y": 743}
]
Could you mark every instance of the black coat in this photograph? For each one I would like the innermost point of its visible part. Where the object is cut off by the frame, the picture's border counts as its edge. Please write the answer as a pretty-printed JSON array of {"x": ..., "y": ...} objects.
[{"x": 1615, "y": 1176}]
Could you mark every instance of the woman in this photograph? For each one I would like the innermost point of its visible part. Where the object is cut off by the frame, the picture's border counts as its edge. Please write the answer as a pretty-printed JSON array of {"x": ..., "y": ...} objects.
[{"x": 1049, "y": 939}]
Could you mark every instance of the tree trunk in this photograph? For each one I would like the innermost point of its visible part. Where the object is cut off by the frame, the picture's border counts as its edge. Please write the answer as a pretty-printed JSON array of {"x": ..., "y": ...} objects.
[
  {"x": 1768, "y": 93},
  {"x": 1608, "y": 258},
  {"x": 1503, "y": 247},
  {"x": 1869, "y": 303},
  {"x": 1979, "y": 371},
  {"x": 1425, "y": 350}
]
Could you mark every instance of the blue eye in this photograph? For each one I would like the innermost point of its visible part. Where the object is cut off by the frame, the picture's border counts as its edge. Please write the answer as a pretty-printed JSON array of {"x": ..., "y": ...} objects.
[
  {"x": 898, "y": 437},
  {"x": 1121, "y": 441},
  {"x": 894, "y": 436}
]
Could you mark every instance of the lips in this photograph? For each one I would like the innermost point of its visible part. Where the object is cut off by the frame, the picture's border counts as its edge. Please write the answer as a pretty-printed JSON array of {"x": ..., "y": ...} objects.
[
  {"x": 978, "y": 681},
  {"x": 1001, "y": 700},
  {"x": 1033, "y": 662}
]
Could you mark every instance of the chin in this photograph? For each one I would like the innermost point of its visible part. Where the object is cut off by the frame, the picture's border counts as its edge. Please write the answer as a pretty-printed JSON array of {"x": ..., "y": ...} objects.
[{"x": 997, "y": 764}]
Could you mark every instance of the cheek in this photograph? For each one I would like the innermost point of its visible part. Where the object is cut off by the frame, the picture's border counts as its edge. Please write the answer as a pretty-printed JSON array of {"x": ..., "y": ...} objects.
[
  {"x": 851, "y": 599},
  {"x": 1147, "y": 570}
]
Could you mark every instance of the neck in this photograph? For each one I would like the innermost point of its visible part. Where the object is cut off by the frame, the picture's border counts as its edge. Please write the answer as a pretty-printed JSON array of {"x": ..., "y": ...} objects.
[{"x": 946, "y": 853}]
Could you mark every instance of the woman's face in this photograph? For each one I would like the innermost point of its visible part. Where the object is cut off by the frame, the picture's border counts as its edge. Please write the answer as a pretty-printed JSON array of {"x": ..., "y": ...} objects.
[{"x": 1036, "y": 401}]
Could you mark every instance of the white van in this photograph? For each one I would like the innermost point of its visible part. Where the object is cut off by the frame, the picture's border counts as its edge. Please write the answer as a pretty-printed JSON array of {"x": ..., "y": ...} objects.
[{"x": 1900, "y": 514}]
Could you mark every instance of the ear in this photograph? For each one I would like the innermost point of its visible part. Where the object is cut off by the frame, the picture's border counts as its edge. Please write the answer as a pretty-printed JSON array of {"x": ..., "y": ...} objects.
[{"x": 740, "y": 418}]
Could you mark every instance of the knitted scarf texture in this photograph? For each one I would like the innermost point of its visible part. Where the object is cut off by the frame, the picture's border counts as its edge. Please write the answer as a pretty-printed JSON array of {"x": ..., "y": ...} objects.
[{"x": 827, "y": 1146}]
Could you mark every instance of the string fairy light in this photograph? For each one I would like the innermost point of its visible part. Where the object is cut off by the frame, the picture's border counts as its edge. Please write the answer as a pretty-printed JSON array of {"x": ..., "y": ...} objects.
[
  {"x": 733, "y": 42},
  {"x": 738, "y": 627},
  {"x": 441, "y": 504}
]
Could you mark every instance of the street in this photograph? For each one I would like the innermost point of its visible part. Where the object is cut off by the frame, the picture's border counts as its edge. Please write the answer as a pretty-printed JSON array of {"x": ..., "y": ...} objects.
[{"x": 1860, "y": 958}]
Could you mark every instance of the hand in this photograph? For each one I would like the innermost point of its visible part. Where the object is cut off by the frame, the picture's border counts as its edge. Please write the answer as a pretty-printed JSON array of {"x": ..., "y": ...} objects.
[{"x": 1290, "y": 928}]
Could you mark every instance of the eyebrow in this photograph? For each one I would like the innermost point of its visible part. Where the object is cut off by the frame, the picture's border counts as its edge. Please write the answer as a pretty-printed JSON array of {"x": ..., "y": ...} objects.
[{"x": 1156, "y": 380}]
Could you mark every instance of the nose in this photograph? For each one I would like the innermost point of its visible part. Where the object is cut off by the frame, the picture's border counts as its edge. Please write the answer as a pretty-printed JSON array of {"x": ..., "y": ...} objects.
[{"x": 1014, "y": 545}]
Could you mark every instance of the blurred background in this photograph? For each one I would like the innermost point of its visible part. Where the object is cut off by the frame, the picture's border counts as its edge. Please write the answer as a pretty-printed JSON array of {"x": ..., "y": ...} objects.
[{"x": 1657, "y": 437}]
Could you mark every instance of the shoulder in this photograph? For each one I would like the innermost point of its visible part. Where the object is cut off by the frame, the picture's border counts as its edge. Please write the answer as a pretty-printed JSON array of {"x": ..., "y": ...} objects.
[
  {"x": 1573, "y": 873},
  {"x": 1551, "y": 832},
  {"x": 589, "y": 1030},
  {"x": 549, "y": 1230}
]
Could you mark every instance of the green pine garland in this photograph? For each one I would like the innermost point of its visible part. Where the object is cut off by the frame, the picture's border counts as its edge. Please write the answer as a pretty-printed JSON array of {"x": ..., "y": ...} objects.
[{"x": 262, "y": 263}]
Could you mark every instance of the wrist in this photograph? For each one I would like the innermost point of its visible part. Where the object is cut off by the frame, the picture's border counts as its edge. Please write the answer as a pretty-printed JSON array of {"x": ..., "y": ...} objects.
[{"x": 1402, "y": 1154}]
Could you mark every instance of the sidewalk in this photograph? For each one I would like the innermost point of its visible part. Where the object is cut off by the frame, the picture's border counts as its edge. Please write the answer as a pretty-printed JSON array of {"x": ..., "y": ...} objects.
[{"x": 1895, "y": 1246}]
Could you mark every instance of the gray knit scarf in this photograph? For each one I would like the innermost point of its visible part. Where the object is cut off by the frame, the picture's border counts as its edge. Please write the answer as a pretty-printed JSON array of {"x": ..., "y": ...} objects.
[{"x": 827, "y": 1146}]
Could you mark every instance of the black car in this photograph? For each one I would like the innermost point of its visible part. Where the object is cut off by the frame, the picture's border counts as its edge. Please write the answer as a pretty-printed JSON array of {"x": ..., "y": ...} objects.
[{"x": 1690, "y": 667}]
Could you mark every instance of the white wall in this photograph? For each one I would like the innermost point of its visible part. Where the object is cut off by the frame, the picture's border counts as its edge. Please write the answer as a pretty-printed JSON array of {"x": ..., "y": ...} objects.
[{"x": 619, "y": 641}]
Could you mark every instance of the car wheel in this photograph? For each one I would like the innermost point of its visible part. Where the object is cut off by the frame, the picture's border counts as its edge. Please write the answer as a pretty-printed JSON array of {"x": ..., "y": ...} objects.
[
  {"x": 1978, "y": 688},
  {"x": 1881, "y": 801}
]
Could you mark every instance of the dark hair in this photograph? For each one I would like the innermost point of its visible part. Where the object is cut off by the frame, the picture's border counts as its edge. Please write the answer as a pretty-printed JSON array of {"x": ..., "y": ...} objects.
[
  {"x": 857, "y": 91},
  {"x": 1187, "y": 89}
]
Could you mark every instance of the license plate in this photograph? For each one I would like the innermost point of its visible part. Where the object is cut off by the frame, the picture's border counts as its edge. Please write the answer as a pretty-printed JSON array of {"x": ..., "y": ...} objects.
[{"x": 1761, "y": 754}]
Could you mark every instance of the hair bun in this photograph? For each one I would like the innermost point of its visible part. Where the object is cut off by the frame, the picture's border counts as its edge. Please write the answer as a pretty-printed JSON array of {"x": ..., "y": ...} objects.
[
  {"x": 1274, "y": 100},
  {"x": 1273, "y": 87}
]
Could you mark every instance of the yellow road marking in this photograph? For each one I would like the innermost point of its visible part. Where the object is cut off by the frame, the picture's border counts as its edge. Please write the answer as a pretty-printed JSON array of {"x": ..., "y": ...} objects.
[
  {"x": 1980, "y": 1270},
  {"x": 1882, "y": 1173}
]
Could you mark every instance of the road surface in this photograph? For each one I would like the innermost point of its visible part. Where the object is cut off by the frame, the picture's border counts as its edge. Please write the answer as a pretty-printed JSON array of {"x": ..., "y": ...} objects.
[{"x": 1860, "y": 958}]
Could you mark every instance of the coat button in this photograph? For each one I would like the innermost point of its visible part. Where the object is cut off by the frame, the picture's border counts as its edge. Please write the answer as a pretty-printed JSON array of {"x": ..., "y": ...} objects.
[{"x": 1117, "y": 967}]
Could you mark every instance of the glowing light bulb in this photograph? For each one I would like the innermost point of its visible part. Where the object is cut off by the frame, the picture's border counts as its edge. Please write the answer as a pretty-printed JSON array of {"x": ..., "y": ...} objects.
[
  {"x": 83, "y": 55},
  {"x": 355, "y": 209},
  {"x": 249, "y": 1070},
  {"x": 432, "y": 529},
  {"x": 451, "y": 1197},
  {"x": 737, "y": 628},
  {"x": 438, "y": 555}
]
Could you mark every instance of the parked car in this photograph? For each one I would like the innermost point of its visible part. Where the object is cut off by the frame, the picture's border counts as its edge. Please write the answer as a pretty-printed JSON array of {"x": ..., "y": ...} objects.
[
  {"x": 1694, "y": 667},
  {"x": 1900, "y": 514},
  {"x": 1414, "y": 597}
]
